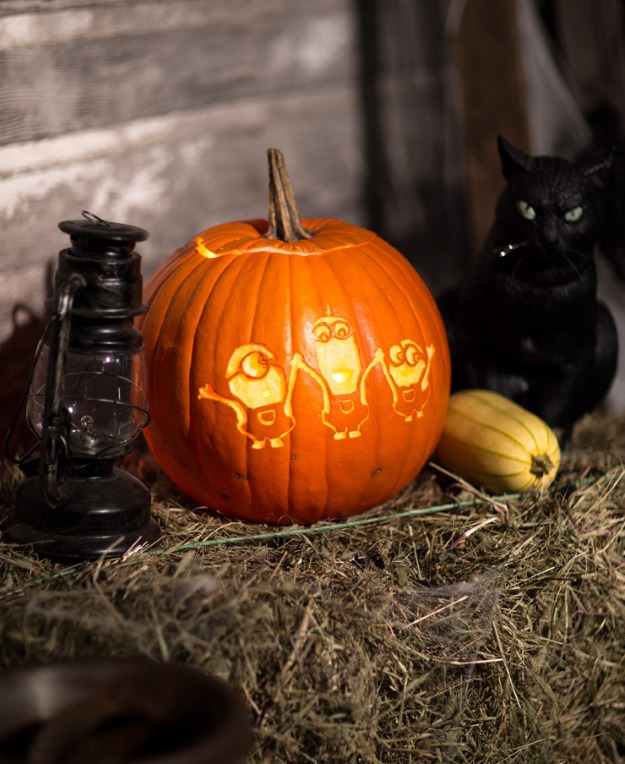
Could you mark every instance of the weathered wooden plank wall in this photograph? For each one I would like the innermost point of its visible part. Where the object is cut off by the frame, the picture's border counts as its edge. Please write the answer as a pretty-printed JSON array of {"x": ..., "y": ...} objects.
[{"x": 159, "y": 114}]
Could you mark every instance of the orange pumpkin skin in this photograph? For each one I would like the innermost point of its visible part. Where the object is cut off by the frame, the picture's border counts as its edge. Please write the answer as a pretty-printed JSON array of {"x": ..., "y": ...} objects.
[{"x": 292, "y": 381}]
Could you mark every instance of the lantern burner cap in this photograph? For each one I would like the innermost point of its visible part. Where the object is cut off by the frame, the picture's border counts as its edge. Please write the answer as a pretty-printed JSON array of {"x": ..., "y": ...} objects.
[{"x": 95, "y": 229}]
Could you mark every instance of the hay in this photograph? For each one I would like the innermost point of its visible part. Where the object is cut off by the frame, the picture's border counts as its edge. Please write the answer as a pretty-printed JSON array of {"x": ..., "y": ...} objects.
[{"x": 490, "y": 631}]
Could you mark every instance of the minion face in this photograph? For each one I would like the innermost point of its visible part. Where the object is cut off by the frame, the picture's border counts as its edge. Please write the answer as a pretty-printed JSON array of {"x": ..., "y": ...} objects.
[
  {"x": 338, "y": 356},
  {"x": 255, "y": 378},
  {"x": 408, "y": 363}
]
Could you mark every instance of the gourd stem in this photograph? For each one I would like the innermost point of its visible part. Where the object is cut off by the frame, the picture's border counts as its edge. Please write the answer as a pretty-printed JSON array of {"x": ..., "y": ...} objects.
[
  {"x": 541, "y": 465},
  {"x": 284, "y": 220}
]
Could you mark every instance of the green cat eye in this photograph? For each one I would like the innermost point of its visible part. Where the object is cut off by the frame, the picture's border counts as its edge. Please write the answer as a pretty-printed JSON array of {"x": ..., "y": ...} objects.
[
  {"x": 528, "y": 212},
  {"x": 572, "y": 215}
]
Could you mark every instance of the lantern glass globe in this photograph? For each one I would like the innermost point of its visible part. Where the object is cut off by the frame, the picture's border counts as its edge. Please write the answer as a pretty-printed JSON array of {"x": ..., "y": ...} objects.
[{"x": 103, "y": 398}]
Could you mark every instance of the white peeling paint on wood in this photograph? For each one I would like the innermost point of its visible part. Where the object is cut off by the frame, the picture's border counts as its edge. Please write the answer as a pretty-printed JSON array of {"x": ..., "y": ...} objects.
[
  {"x": 88, "y": 67},
  {"x": 37, "y": 169},
  {"x": 159, "y": 113},
  {"x": 123, "y": 15},
  {"x": 173, "y": 175}
]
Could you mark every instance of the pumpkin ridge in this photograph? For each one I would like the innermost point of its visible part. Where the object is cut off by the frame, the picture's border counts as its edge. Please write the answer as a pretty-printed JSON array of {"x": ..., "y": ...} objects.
[
  {"x": 487, "y": 426},
  {"x": 190, "y": 276},
  {"x": 228, "y": 266},
  {"x": 379, "y": 263},
  {"x": 163, "y": 274},
  {"x": 248, "y": 468},
  {"x": 380, "y": 266},
  {"x": 289, "y": 311},
  {"x": 184, "y": 318},
  {"x": 359, "y": 334},
  {"x": 399, "y": 284},
  {"x": 364, "y": 262},
  {"x": 417, "y": 312},
  {"x": 311, "y": 280},
  {"x": 161, "y": 282},
  {"x": 209, "y": 296},
  {"x": 249, "y": 477},
  {"x": 259, "y": 290},
  {"x": 393, "y": 266},
  {"x": 159, "y": 348},
  {"x": 488, "y": 401}
]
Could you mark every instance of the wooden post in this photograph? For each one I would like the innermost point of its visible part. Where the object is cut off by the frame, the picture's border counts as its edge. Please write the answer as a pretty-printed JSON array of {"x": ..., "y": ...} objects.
[{"x": 490, "y": 69}]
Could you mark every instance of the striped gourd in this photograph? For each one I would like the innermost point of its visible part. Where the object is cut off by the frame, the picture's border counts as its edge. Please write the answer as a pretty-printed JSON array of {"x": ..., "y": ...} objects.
[{"x": 494, "y": 443}]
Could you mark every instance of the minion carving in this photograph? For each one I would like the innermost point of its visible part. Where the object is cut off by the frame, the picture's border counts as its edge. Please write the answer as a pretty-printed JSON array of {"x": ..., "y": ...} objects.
[
  {"x": 259, "y": 385},
  {"x": 408, "y": 374},
  {"x": 340, "y": 376}
]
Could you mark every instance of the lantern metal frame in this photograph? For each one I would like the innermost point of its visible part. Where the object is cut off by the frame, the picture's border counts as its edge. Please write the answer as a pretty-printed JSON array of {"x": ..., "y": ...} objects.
[{"x": 75, "y": 504}]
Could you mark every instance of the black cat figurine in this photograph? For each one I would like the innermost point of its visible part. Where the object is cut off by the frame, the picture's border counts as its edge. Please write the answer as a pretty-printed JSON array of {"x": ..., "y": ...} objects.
[{"x": 526, "y": 321}]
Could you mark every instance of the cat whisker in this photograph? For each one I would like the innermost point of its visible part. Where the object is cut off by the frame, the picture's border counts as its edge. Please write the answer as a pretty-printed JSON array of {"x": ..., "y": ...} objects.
[
  {"x": 508, "y": 248},
  {"x": 518, "y": 264},
  {"x": 577, "y": 252},
  {"x": 572, "y": 264}
]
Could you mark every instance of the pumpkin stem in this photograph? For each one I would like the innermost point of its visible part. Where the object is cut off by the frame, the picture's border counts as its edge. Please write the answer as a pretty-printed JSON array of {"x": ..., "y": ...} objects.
[
  {"x": 541, "y": 465},
  {"x": 284, "y": 220}
]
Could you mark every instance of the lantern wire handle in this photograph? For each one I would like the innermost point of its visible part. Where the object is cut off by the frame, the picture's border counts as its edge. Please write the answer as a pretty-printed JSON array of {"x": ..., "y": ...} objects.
[
  {"x": 93, "y": 218},
  {"x": 54, "y": 437},
  {"x": 55, "y": 417}
]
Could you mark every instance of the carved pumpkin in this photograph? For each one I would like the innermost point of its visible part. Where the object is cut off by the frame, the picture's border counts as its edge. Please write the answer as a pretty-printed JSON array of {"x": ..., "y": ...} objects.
[{"x": 298, "y": 370}]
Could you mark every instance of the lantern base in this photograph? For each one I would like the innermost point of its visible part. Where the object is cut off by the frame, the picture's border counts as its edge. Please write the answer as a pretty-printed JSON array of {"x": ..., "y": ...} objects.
[{"x": 102, "y": 516}]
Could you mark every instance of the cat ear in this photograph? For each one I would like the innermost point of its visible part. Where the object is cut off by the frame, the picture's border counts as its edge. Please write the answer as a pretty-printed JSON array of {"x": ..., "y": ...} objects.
[
  {"x": 513, "y": 160},
  {"x": 598, "y": 167}
]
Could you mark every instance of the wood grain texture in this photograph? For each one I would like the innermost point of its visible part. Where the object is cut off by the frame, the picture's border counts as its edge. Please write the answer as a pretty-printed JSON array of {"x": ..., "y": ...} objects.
[
  {"x": 415, "y": 180},
  {"x": 159, "y": 113},
  {"x": 494, "y": 101},
  {"x": 216, "y": 9},
  {"x": 173, "y": 175},
  {"x": 70, "y": 70}
]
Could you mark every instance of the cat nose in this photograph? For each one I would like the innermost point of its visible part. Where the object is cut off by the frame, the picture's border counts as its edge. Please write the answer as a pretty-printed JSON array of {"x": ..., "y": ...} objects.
[{"x": 550, "y": 233}]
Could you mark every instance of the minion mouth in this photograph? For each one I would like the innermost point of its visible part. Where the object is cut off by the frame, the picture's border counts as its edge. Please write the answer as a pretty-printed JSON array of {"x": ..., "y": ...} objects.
[
  {"x": 267, "y": 417},
  {"x": 409, "y": 394}
]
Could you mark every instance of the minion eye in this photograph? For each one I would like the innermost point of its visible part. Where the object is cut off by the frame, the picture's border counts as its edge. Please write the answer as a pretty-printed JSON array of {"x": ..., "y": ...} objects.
[
  {"x": 574, "y": 214},
  {"x": 396, "y": 355},
  {"x": 412, "y": 355},
  {"x": 526, "y": 209},
  {"x": 255, "y": 365},
  {"x": 322, "y": 332},
  {"x": 341, "y": 329}
]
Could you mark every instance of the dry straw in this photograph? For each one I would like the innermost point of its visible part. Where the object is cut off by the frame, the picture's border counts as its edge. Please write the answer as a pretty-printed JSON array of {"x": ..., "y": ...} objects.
[{"x": 445, "y": 626}]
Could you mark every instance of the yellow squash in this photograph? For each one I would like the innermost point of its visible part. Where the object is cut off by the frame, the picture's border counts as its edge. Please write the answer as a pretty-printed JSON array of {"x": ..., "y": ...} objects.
[{"x": 494, "y": 443}]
